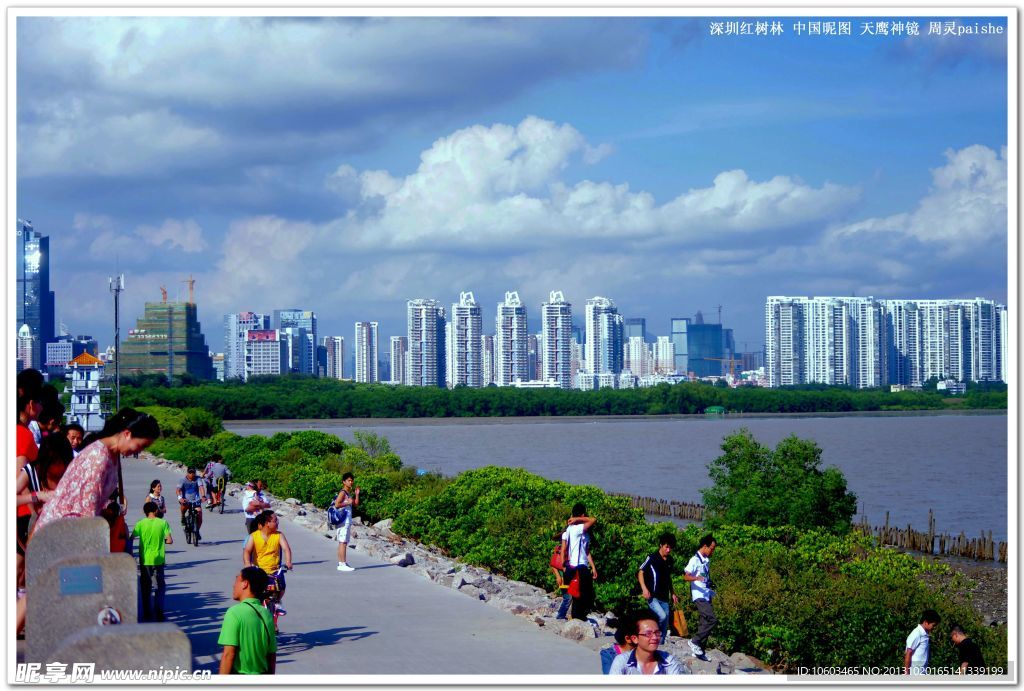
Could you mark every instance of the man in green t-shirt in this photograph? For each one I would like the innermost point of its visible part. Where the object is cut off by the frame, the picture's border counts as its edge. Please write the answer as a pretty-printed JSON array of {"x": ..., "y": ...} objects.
[
  {"x": 247, "y": 634},
  {"x": 153, "y": 534}
]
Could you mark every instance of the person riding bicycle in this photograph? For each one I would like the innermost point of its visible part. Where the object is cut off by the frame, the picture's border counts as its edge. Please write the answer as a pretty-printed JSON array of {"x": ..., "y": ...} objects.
[
  {"x": 264, "y": 549},
  {"x": 217, "y": 474},
  {"x": 192, "y": 491}
]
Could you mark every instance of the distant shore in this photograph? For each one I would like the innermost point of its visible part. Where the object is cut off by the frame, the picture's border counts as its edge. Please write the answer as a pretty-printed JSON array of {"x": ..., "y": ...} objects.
[{"x": 298, "y": 423}]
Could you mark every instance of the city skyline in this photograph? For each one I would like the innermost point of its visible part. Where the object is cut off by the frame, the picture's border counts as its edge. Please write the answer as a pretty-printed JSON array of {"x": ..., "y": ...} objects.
[{"x": 644, "y": 159}]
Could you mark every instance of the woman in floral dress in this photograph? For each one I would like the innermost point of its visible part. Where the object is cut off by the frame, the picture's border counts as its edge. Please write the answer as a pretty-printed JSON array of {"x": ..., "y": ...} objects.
[{"x": 91, "y": 479}]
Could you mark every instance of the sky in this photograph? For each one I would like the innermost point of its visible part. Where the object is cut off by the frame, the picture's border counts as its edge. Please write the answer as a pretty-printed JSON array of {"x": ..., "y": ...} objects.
[{"x": 347, "y": 165}]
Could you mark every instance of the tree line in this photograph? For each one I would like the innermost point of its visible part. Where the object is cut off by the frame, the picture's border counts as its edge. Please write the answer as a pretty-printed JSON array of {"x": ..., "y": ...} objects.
[{"x": 293, "y": 396}]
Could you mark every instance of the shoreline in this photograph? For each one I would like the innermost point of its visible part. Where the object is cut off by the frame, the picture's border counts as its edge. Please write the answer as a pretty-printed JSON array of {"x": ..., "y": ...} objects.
[{"x": 583, "y": 419}]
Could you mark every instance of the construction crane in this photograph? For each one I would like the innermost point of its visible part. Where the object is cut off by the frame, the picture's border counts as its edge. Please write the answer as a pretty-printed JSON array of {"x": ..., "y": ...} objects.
[
  {"x": 731, "y": 360},
  {"x": 191, "y": 283}
]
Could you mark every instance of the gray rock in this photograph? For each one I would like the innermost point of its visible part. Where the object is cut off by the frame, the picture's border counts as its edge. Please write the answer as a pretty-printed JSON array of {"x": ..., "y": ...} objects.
[
  {"x": 743, "y": 663},
  {"x": 292, "y": 501},
  {"x": 577, "y": 630},
  {"x": 128, "y": 646},
  {"x": 384, "y": 526},
  {"x": 472, "y": 591},
  {"x": 301, "y": 512},
  {"x": 57, "y": 540},
  {"x": 71, "y": 594}
]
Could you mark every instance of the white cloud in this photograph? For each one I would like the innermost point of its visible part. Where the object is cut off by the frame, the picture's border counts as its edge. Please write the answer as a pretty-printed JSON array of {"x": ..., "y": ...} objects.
[
  {"x": 965, "y": 210},
  {"x": 501, "y": 186}
]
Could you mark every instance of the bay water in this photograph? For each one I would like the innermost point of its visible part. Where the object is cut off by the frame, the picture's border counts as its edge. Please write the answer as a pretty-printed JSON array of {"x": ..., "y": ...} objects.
[{"x": 906, "y": 464}]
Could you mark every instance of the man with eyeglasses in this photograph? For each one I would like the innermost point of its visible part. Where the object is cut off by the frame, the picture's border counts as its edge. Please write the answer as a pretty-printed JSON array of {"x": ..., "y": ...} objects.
[{"x": 645, "y": 658}]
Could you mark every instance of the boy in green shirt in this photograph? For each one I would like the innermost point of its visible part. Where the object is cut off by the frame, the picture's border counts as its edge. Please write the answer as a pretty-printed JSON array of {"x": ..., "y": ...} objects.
[
  {"x": 247, "y": 634},
  {"x": 153, "y": 534}
]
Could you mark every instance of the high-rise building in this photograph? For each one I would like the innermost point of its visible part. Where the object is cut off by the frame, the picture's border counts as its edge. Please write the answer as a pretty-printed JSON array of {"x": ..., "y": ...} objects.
[
  {"x": 679, "y": 326},
  {"x": 366, "y": 352},
  {"x": 556, "y": 326},
  {"x": 399, "y": 356},
  {"x": 533, "y": 356},
  {"x": 487, "y": 355},
  {"x": 635, "y": 326},
  {"x": 511, "y": 342},
  {"x": 297, "y": 352},
  {"x": 664, "y": 356},
  {"x": 168, "y": 340},
  {"x": 335, "y": 360},
  {"x": 465, "y": 366},
  {"x": 637, "y": 357},
  {"x": 265, "y": 353},
  {"x": 35, "y": 300},
  {"x": 292, "y": 318},
  {"x": 863, "y": 342},
  {"x": 426, "y": 356},
  {"x": 27, "y": 345},
  {"x": 704, "y": 349},
  {"x": 235, "y": 326},
  {"x": 603, "y": 350}
]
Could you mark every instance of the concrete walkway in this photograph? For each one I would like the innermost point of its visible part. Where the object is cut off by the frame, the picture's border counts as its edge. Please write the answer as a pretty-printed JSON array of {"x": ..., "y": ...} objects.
[{"x": 378, "y": 619}]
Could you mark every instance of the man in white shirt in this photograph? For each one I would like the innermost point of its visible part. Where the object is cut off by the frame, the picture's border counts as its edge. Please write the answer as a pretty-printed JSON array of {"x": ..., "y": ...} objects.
[
  {"x": 576, "y": 548},
  {"x": 698, "y": 573},
  {"x": 915, "y": 658}
]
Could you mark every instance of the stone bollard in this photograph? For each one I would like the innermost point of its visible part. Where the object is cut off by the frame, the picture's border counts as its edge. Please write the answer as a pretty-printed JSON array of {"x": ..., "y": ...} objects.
[
  {"x": 128, "y": 647},
  {"x": 56, "y": 541},
  {"x": 76, "y": 593}
]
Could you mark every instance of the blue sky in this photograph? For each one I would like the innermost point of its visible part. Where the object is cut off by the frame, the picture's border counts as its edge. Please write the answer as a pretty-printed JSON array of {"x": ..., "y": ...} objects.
[{"x": 348, "y": 165}]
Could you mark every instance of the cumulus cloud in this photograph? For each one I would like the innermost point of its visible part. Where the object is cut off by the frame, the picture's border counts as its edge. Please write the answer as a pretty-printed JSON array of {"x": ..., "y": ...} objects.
[
  {"x": 965, "y": 209},
  {"x": 501, "y": 186}
]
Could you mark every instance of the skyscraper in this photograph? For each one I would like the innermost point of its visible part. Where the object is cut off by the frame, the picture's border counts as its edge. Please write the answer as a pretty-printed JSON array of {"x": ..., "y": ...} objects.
[
  {"x": 292, "y": 318},
  {"x": 35, "y": 300},
  {"x": 704, "y": 349},
  {"x": 603, "y": 350},
  {"x": 511, "y": 342},
  {"x": 235, "y": 326},
  {"x": 399, "y": 355},
  {"x": 335, "y": 346},
  {"x": 366, "y": 352},
  {"x": 487, "y": 353},
  {"x": 556, "y": 326},
  {"x": 426, "y": 356},
  {"x": 679, "y": 326},
  {"x": 465, "y": 366}
]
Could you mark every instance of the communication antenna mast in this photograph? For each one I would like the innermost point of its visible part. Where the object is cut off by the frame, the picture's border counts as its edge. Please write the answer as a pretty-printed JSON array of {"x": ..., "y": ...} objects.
[{"x": 116, "y": 285}]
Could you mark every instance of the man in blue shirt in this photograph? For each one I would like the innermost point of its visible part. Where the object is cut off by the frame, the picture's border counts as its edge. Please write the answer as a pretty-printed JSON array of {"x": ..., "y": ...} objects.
[{"x": 191, "y": 490}]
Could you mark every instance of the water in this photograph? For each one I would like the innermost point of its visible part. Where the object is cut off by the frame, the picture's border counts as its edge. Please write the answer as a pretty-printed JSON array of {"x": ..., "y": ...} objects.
[{"x": 903, "y": 464}]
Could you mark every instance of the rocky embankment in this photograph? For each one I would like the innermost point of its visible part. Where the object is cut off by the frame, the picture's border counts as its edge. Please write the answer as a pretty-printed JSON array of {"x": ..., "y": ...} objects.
[{"x": 516, "y": 598}]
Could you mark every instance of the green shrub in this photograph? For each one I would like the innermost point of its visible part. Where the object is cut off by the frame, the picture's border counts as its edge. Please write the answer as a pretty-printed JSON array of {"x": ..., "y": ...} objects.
[{"x": 755, "y": 485}]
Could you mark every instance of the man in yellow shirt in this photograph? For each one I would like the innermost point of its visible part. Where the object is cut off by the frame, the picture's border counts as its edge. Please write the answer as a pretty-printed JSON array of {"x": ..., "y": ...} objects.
[{"x": 264, "y": 547}]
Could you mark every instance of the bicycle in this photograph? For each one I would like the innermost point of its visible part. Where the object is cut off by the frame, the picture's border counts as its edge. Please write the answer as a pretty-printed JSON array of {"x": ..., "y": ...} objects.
[
  {"x": 191, "y": 530},
  {"x": 272, "y": 596},
  {"x": 222, "y": 483}
]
